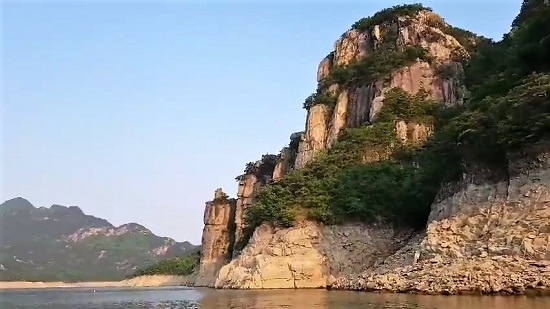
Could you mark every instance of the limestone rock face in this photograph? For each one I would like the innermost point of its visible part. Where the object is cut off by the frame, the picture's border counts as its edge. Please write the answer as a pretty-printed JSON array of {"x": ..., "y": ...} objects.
[
  {"x": 277, "y": 259},
  {"x": 315, "y": 136},
  {"x": 217, "y": 237},
  {"x": 324, "y": 67},
  {"x": 287, "y": 156},
  {"x": 283, "y": 165},
  {"x": 482, "y": 236},
  {"x": 510, "y": 217},
  {"x": 488, "y": 238},
  {"x": 248, "y": 186},
  {"x": 359, "y": 103},
  {"x": 339, "y": 117},
  {"x": 307, "y": 255},
  {"x": 352, "y": 45}
]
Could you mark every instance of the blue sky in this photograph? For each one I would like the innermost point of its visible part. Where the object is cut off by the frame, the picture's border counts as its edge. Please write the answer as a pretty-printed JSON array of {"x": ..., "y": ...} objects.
[{"x": 137, "y": 110}]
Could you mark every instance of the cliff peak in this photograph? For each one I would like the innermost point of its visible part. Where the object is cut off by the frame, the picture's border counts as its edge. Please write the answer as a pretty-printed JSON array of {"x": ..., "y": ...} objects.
[
  {"x": 408, "y": 48},
  {"x": 68, "y": 210},
  {"x": 218, "y": 194},
  {"x": 15, "y": 204}
]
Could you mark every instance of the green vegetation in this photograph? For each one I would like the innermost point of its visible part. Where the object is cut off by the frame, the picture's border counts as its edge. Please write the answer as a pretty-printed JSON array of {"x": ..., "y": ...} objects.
[
  {"x": 176, "y": 266},
  {"x": 263, "y": 167},
  {"x": 466, "y": 38},
  {"x": 491, "y": 129},
  {"x": 400, "y": 105},
  {"x": 378, "y": 66},
  {"x": 293, "y": 147},
  {"x": 38, "y": 247},
  {"x": 325, "y": 98},
  {"x": 450, "y": 70},
  {"x": 446, "y": 71},
  {"x": 364, "y": 71},
  {"x": 337, "y": 185},
  {"x": 370, "y": 175},
  {"x": 389, "y": 14},
  {"x": 220, "y": 200}
]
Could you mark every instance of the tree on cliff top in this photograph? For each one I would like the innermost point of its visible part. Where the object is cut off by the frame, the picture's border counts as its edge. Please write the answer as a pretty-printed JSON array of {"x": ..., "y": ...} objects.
[{"x": 389, "y": 14}]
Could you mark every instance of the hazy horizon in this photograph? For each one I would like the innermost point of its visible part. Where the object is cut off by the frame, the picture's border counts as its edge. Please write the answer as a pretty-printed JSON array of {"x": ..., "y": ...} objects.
[{"x": 137, "y": 112}]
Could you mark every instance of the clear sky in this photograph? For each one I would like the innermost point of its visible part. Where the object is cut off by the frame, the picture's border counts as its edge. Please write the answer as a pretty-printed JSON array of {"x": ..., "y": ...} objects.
[{"x": 137, "y": 111}]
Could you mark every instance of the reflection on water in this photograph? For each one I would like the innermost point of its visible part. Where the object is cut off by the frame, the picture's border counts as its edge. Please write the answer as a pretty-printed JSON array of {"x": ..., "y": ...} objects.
[
  {"x": 180, "y": 298},
  {"x": 317, "y": 299},
  {"x": 103, "y": 298}
]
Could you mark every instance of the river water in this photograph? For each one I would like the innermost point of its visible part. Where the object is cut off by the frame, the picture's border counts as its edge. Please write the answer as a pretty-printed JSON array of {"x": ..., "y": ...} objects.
[{"x": 184, "y": 298}]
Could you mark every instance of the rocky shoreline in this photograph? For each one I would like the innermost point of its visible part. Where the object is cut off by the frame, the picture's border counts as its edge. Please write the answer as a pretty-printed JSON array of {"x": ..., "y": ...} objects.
[{"x": 491, "y": 275}]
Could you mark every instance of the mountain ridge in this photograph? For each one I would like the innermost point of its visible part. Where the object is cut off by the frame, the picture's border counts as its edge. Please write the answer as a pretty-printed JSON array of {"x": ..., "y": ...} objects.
[
  {"x": 64, "y": 243},
  {"x": 74, "y": 209}
]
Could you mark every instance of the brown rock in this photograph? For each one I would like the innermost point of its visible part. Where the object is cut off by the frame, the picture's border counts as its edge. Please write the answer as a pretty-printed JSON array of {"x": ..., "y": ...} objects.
[
  {"x": 339, "y": 116},
  {"x": 283, "y": 166},
  {"x": 361, "y": 103},
  {"x": 307, "y": 255},
  {"x": 315, "y": 135},
  {"x": 247, "y": 188},
  {"x": 352, "y": 45},
  {"x": 277, "y": 259},
  {"x": 324, "y": 67},
  {"x": 217, "y": 238}
]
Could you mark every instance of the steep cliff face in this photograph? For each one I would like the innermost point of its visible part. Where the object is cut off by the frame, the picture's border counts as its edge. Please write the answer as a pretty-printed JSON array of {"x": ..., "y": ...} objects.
[
  {"x": 256, "y": 175},
  {"x": 224, "y": 219},
  {"x": 308, "y": 255},
  {"x": 489, "y": 237},
  {"x": 218, "y": 237},
  {"x": 304, "y": 251},
  {"x": 247, "y": 188},
  {"x": 388, "y": 117},
  {"x": 509, "y": 217},
  {"x": 359, "y": 102}
]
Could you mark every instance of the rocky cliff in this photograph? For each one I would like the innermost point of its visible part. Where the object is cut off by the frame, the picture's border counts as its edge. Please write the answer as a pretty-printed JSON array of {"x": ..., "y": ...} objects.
[
  {"x": 358, "y": 103},
  {"x": 486, "y": 237},
  {"x": 404, "y": 178},
  {"x": 218, "y": 237}
]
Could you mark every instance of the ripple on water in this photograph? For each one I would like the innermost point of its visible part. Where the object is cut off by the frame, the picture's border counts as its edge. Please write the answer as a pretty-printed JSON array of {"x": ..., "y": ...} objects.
[
  {"x": 179, "y": 298},
  {"x": 172, "y": 304}
]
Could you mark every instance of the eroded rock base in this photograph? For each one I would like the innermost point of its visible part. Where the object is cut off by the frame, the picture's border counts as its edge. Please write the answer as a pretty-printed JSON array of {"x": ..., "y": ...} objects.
[{"x": 495, "y": 275}]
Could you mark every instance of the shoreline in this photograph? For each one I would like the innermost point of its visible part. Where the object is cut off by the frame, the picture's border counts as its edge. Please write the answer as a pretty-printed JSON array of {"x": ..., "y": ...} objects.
[
  {"x": 530, "y": 292},
  {"x": 13, "y": 285},
  {"x": 143, "y": 281},
  {"x": 175, "y": 281}
]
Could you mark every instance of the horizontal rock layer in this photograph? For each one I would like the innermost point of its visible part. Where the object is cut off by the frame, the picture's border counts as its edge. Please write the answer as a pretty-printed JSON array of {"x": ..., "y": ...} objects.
[
  {"x": 307, "y": 255},
  {"x": 486, "y": 238}
]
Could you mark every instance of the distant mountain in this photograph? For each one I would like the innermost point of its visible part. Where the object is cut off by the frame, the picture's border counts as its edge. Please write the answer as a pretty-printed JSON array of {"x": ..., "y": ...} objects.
[{"x": 63, "y": 243}]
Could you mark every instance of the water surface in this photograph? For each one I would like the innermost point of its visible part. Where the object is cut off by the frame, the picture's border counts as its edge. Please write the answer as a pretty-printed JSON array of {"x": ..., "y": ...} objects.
[{"x": 184, "y": 298}]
